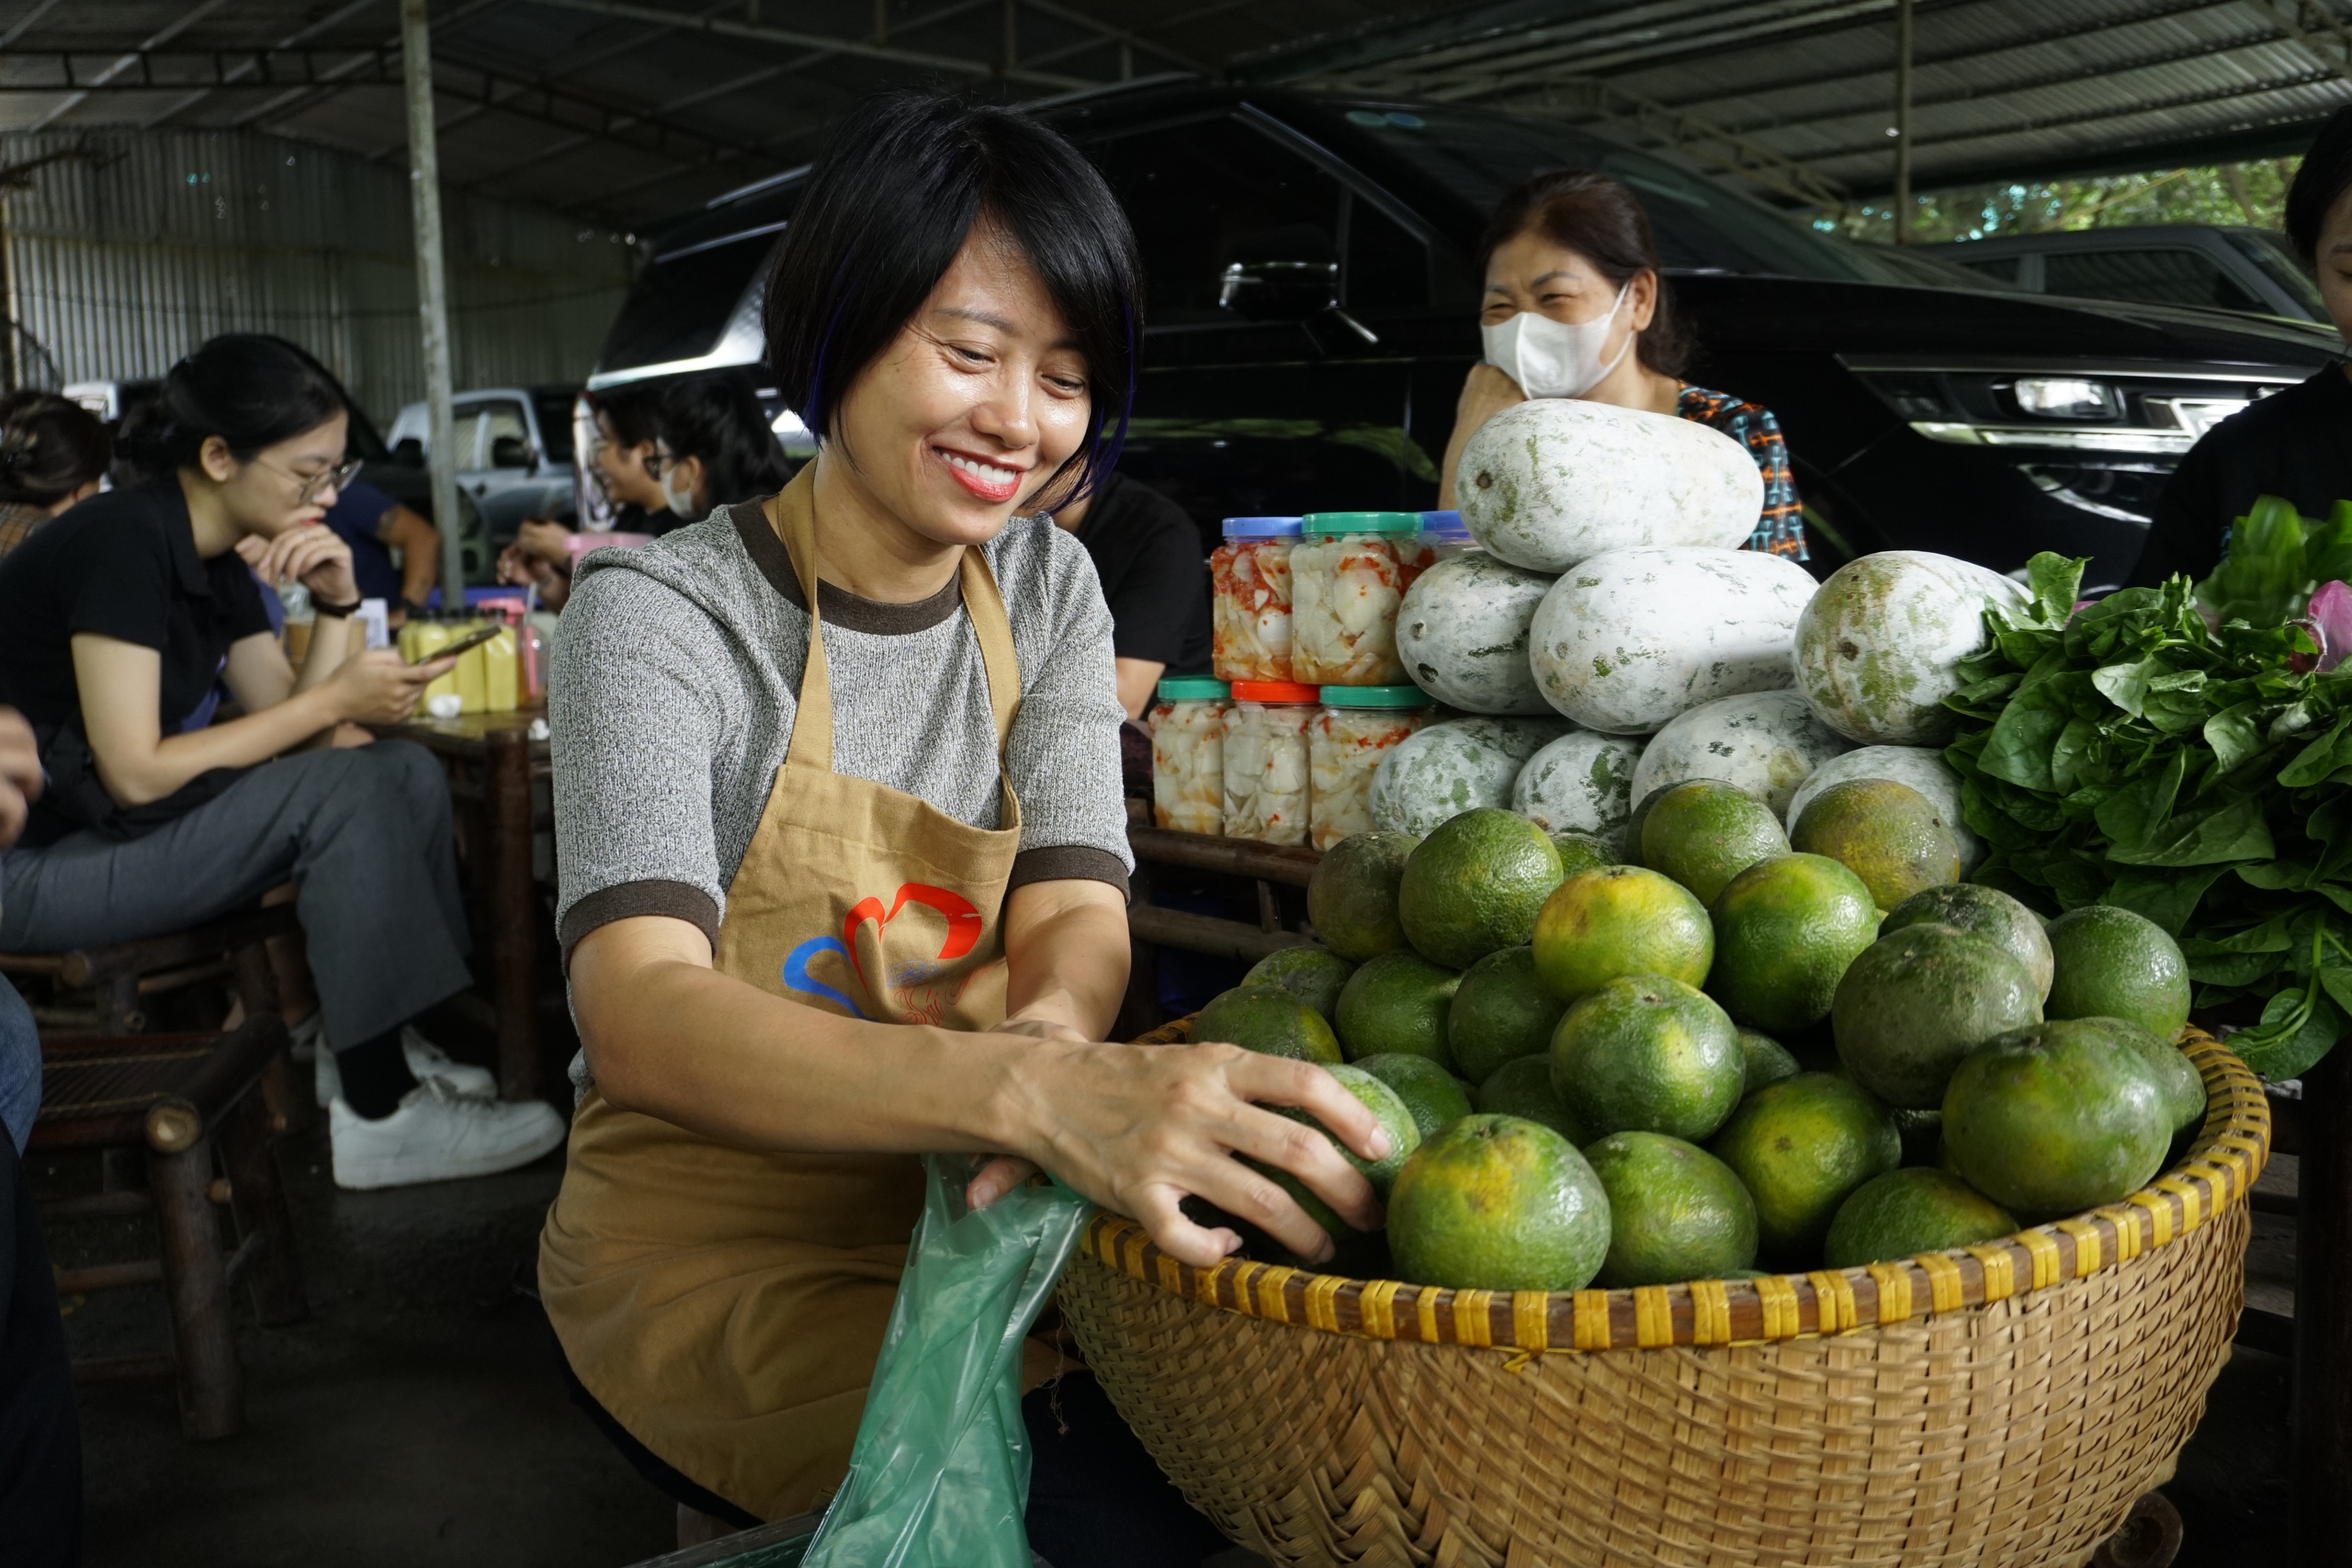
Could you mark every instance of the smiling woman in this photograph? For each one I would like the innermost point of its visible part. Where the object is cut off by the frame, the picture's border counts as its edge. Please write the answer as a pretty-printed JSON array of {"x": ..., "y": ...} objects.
[{"x": 845, "y": 859}]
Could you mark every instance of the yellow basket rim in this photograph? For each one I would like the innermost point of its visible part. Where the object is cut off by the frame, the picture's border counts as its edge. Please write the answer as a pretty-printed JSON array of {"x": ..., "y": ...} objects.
[{"x": 2218, "y": 1171}]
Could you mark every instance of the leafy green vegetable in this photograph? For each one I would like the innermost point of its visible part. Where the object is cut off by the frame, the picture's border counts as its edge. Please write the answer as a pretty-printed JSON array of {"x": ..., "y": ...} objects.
[{"x": 2137, "y": 752}]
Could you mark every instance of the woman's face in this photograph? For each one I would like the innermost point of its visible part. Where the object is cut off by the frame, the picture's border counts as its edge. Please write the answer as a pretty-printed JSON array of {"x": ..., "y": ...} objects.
[
  {"x": 968, "y": 414},
  {"x": 282, "y": 486},
  {"x": 627, "y": 478},
  {"x": 2334, "y": 256},
  {"x": 1535, "y": 272}
]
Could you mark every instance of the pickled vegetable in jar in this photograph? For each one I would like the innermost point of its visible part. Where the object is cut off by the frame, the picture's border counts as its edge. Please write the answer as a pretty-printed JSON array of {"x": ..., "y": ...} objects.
[
  {"x": 1444, "y": 536},
  {"x": 1348, "y": 575},
  {"x": 1250, "y": 576},
  {"x": 1188, "y": 754},
  {"x": 1266, "y": 767},
  {"x": 1350, "y": 736}
]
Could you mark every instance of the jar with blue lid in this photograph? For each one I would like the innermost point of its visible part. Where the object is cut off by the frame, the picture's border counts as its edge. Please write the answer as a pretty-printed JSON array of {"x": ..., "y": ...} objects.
[{"x": 1250, "y": 583}]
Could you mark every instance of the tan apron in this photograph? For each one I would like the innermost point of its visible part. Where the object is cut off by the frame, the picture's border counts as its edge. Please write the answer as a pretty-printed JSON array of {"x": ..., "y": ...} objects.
[{"x": 726, "y": 1306}]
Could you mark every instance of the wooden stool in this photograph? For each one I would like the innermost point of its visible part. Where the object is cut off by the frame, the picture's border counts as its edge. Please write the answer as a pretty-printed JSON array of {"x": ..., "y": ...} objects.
[{"x": 181, "y": 1098}]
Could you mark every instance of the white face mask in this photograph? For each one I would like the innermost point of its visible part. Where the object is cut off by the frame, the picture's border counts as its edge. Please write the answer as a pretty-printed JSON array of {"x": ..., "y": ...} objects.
[
  {"x": 676, "y": 494},
  {"x": 1554, "y": 359}
]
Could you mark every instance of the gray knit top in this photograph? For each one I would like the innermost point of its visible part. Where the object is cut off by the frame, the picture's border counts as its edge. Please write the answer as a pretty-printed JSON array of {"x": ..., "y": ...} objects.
[{"x": 675, "y": 676}]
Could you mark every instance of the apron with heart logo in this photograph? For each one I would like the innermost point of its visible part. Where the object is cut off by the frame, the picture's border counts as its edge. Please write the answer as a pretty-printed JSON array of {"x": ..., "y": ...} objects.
[{"x": 727, "y": 1306}]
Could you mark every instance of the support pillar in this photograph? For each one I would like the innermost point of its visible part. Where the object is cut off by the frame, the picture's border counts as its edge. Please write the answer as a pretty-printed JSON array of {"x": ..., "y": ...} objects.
[{"x": 432, "y": 292}]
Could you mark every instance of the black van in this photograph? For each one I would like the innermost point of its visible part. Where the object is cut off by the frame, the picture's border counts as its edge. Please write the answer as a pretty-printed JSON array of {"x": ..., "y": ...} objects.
[{"x": 1314, "y": 309}]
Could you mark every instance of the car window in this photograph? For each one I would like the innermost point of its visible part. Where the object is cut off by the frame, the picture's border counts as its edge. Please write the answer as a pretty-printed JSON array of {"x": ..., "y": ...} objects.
[
  {"x": 680, "y": 306},
  {"x": 2270, "y": 251},
  {"x": 1699, "y": 225},
  {"x": 1387, "y": 268},
  {"x": 466, "y": 449},
  {"x": 554, "y": 424},
  {"x": 1208, "y": 194},
  {"x": 505, "y": 431},
  {"x": 2168, "y": 276},
  {"x": 2001, "y": 269}
]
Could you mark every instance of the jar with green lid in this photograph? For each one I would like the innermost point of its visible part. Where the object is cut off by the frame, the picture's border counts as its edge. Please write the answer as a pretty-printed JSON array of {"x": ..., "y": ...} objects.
[
  {"x": 1347, "y": 577},
  {"x": 1354, "y": 730},
  {"x": 1188, "y": 754}
]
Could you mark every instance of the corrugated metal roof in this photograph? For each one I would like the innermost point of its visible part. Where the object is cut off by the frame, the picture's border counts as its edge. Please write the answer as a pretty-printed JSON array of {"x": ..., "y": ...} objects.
[{"x": 629, "y": 110}]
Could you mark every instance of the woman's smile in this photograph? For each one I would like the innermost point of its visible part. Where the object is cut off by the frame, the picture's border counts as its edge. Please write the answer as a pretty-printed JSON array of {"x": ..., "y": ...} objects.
[{"x": 990, "y": 480}]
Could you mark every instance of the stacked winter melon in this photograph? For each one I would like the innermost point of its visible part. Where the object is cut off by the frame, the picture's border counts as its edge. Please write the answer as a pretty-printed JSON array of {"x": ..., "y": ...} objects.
[{"x": 1612, "y": 593}]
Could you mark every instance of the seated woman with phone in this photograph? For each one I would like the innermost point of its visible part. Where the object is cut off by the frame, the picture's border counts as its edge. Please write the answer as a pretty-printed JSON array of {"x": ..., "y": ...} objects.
[{"x": 115, "y": 620}]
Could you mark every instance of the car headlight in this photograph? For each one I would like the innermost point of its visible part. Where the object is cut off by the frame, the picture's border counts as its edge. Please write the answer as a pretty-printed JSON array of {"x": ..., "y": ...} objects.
[{"x": 2067, "y": 397}]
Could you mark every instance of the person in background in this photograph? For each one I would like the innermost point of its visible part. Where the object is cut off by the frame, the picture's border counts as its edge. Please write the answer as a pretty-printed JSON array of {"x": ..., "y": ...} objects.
[
  {"x": 1155, "y": 581},
  {"x": 1575, "y": 308},
  {"x": 53, "y": 452},
  {"x": 114, "y": 621},
  {"x": 40, "y": 1442},
  {"x": 374, "y": 525},
  {"x": 667, "y": 457},
  {"x": 2296, "y": 444}
]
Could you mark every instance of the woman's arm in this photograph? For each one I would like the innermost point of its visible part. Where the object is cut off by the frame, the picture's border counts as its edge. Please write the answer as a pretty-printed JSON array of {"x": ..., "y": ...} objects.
[
  {"x": 1486, "y": 392},
  {"x": 419, "y": 543},
  {"x": 121, "y": 685},
  {"x": 1066, "y": 956},
  {"x": 1134, "y": 1127}
]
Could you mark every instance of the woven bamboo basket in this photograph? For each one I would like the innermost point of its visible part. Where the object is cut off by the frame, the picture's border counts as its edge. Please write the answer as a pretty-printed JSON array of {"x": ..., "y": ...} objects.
[{"x": 2002, "y": 1405}]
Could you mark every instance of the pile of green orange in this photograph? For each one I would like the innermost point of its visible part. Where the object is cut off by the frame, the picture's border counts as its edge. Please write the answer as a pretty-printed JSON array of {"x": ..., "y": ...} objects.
[{"x": 1802, "y": 1048}]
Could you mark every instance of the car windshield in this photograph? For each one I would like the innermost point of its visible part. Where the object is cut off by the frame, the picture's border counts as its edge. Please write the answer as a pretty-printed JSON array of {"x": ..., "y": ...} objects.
[
  {"x": 1700, "y": 225},
  {"x": 2270, "y": 251}
]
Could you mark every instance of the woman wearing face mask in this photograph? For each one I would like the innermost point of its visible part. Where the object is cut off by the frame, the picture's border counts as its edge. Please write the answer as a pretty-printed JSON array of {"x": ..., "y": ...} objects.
[
  {"x": 845, "y": 859},
  {"x": 1575, "y": 308},
  {"x": 114, "y": 621}
]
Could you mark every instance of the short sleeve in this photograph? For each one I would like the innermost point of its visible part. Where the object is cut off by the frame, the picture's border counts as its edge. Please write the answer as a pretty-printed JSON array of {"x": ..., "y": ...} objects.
[
  {"x": 634, "y": 727},
  {"x": 117, "y": 581}
]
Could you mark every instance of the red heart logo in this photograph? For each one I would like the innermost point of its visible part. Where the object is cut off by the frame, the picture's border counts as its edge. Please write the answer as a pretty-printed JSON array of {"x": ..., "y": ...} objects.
[{"x": 964, "y": 922}]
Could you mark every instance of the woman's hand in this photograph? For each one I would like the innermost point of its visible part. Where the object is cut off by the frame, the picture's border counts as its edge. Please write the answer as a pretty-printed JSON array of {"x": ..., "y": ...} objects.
[
  {"x": 1486, "y": 392},
  {"x": 20, "y": 775},
  {"x": 377, "y": 687},
  {"x": 550, "y": 542},
  {"x": 316, "y": 556},
  {"x": 1139, "y": 1128}
]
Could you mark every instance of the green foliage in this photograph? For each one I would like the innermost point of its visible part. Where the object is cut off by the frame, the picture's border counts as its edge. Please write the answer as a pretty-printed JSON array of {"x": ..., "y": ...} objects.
[
  {"x": 2252, "y": 193},
  {"x": 2134, "y": 754}
]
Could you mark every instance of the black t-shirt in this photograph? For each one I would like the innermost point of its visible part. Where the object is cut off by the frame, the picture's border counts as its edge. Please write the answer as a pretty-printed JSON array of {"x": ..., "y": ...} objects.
[
  {"x": 122, "y": 565},
  {"x": 2296, "y": 444},
  {"x": 1148, "y": 553}
]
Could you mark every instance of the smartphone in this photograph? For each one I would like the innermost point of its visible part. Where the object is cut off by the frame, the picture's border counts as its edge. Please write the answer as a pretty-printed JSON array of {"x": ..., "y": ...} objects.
[{"x": 474, "y": 639}]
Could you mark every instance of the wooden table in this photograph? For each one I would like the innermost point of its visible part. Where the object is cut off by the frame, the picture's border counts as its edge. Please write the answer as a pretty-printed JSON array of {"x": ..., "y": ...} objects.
[{"x": 492, "y": 762}]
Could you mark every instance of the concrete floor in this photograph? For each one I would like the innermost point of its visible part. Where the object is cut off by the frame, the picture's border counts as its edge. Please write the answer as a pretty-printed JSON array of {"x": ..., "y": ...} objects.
[{"x": 416, "y": 1419}]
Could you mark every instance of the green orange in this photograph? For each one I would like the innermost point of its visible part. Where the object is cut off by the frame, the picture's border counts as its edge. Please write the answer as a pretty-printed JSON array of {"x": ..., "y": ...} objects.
[
  {"x": 1650, "y": 1055},
  {"x": 1474, "y": 885},
  {"x": 1599, "y": 926},
  {"x": 1911, "y": 1211},
  {"x": 1785, "y": 929},
  {"x": 1886, "y": 833},
  {"x": 1500, "y": 1012},
  {"x": 1269, "y": 1021},
  {"x": 1497, "y": 1203},
  {"x": 1676, "y": 1211},
  {"x": 1801, "y": 1147},
  {"x": 1523, "y": 1088},
  {"x": 1703, "y": 832},
  {"x": 2056, "y": 1118},
  {"x": 1351, "y": 897}
]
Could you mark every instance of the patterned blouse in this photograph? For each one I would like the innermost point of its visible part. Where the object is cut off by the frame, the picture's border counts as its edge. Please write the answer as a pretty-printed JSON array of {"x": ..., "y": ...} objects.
[{"x": 1780, "y": 530}]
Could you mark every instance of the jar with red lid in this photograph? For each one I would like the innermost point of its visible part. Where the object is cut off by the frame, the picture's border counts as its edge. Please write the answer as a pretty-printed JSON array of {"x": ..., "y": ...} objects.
[
  {"x": 1266, "y": 767},
  {"x": 1250, "y": 577},
  {"x": 1354, "y": 729}
]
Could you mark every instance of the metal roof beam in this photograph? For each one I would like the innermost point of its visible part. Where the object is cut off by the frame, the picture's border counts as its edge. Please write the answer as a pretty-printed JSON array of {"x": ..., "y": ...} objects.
[
  {"x": 294, "y": 39},
  {"x": 754, "y": 32},
  {"x": 161, "y": 36},
  {"x": 1346, "y": 51},
  {"x": 2310, "y": 23},
  {"x": 300, "y": 99},
  {"x": 1695, "y": 136}
]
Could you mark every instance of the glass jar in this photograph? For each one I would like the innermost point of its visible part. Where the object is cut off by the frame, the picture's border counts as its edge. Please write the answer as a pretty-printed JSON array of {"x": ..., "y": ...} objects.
[
  {"x": 1266, "y": 768},
  {"x": 1188, "y": 754},
  {"x": 1345, "y": 744},
  {"x": 1348, "y": 575},
  {"x": 1251, "y": 572},
  {"x": 1446, "y": 535}
]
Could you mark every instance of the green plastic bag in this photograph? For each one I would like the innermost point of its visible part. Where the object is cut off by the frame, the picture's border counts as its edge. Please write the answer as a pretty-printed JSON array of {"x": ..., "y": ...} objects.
[{"x": 939, "y": 1476}]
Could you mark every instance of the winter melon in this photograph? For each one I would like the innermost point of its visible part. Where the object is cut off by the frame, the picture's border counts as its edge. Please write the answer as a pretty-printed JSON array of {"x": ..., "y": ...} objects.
[
  {"x": 1582, "y": 783},
  {"x": 1437, "y": 773},
  {"x": 1462, "y": 632},
  {"x": 1920, "y": 767},
  {"x": 1878, "y": 647},
  {"x": 1631, "y": 639},
  {"x": 1765, "y": 742},
  {"x": 1553, "y": 481}
]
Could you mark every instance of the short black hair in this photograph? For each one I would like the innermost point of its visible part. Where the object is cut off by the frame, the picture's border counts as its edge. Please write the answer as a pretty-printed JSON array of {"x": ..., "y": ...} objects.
[
  {"x": 886, "y": 210},
  {"x": 50, "y": 447},
  {"x": 717, "y": 418},
  {"x": 2325, "y": 175},
  {"x": 633, "y": 408},
  {"x": 252, "y": 389}
]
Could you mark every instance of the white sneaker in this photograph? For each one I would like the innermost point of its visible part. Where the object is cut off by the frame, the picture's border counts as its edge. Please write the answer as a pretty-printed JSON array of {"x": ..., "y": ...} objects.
[
  {"x": 425, "y": 1060},
  {"x": 437, "y": 1136},
  {"x": 302, "y": 1039}
]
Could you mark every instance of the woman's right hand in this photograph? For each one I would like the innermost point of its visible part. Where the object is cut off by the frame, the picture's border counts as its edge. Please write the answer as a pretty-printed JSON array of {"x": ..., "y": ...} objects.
[
  {"x": 550, "y": 542},
  {"x": 1139, "y": 1128},
  {"x": 377, "y": 686}
]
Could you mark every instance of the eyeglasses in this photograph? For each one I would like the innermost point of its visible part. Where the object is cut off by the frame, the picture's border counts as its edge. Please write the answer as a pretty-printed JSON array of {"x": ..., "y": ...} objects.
[{"x": 334, "y": 479}]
